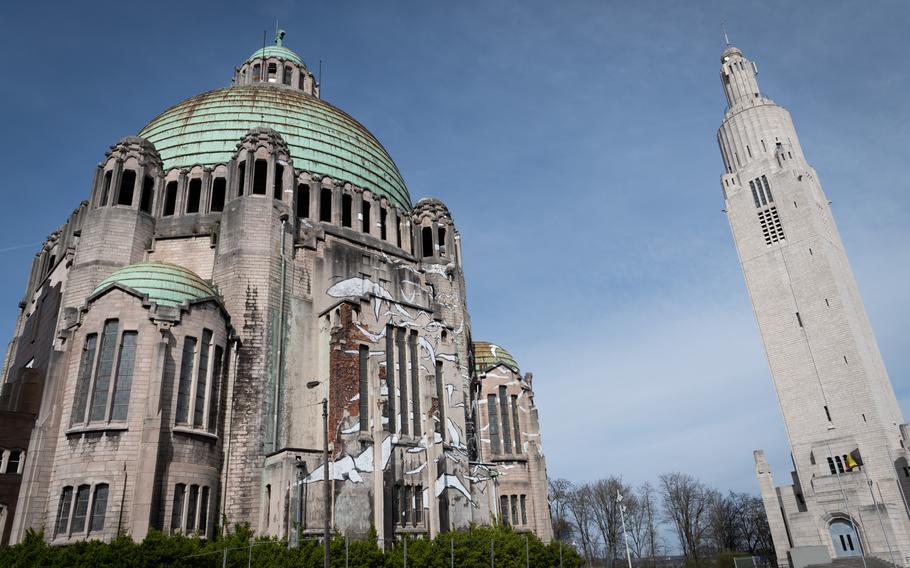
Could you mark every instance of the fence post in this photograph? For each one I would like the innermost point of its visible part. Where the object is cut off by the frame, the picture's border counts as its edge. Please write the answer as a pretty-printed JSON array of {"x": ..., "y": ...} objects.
[
  {"x": 492, "y": 559},
  {"x": 224, "y": 559}
]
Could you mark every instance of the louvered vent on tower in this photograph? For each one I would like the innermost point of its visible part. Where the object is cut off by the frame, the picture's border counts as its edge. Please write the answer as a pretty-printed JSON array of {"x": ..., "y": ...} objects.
[{"x": 770, "y": 225}]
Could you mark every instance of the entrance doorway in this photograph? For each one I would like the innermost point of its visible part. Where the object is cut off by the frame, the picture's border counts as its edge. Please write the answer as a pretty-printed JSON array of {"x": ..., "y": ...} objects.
[{"x": 845, "y": 540}]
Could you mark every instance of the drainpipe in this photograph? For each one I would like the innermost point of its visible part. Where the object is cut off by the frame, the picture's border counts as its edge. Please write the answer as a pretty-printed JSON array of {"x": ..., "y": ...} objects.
[{"x": 281, "y": 335}]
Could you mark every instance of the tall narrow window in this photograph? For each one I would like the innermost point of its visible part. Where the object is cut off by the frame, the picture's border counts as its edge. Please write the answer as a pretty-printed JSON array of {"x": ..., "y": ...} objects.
[
  {"x": 799, "y": 319},
  {"x": 398, "y": 233},
  {"x": 273, "y": 73},
  {"x": 13, "y": 461},
  {"x": 177, "y": 507},
  {"x": 288, "y": 74},
  {"x": 504, "y": 509},
  {"x": 215, "y": 389},
  {"x": 504, "y": 413},
  {"x": 63, "y": 510},
  {"x": 194, "y": 195},
  {"x": 257, "y": 72},
  {"x": 390, "y": 376},
  {"x": 204, "y": 511},
  {"x": 441, "y": 404},
  {"x": 241, "y": 178},
  {"x": 346, "y": 206},
  {"x": 831, "y": 466},
  {"x": 219, "y": 189},
  {"x": 514, "y": 511},
  {"x": 755, "y": 194},
  {"x": 402, "y": 380},
  {"x": 124, "y": 381},
  {"x": 524, "y": 511},
  {"x": 515, "y": 424},
  {"x": 418, "y": 504},
  {"x": 493, "y": 418},
  {"x": 260, "y": 175},
  {"x": 186, "y": 379},
  {"x": 303, "y": 200},
  {"x": 102, "y": 382},
  {"x": 99, "y": 508},
  {"x": 81, "y": 509},
  {"x": 278, "y": 187},
  {"x": 170, "y": 199},
  {"x": 80, "y": 397},
  {"x": 427, "y": 239},
  {"x": 191, "y": 503},
  {"x": 405, "y": 504},
  {"x": 839, "y": 463},
  {"x": 325, "y": 205},
  {"x": 105, "y": 187},
  {"x": 127, "y": 184},
  {"x": 415, "y": 383},
  {"x": 382, "y": 223},
  {"x": 764, "y": 181},
  {"x": 365, "y": 217},
  {"x": 441, "y": 231},
  {"x": 364, "y": 389},
  {"x": 202, "y": 373},
  {"x": 148, "y": 194}
]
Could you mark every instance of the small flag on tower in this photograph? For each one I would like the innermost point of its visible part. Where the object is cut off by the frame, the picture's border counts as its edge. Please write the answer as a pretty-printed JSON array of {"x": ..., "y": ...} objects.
[{"x": 854, "y": 460}]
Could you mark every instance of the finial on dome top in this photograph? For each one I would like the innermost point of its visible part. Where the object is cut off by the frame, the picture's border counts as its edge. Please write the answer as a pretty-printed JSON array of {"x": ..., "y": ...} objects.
[
  {"x": 723, "y": 26},
  {"x": 279, "y": 37}
]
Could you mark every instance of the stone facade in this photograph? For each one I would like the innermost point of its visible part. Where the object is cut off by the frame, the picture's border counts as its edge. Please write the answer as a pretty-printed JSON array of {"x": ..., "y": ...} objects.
[
  {"x": 180, "y": 332},
  {"x": 846, "y": 431}
]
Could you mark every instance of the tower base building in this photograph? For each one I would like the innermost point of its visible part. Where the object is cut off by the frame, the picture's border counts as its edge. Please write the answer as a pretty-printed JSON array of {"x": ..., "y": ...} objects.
[
  {"x": 847, "y": 494},
  {"x": 250, "y": 261}
]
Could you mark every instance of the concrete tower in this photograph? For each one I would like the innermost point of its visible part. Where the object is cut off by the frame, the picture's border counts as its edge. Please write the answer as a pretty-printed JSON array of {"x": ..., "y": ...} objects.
[{"x": 834, "y": 392}]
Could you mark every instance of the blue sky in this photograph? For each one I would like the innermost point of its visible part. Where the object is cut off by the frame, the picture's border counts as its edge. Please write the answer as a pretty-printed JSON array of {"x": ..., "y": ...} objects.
[{"x": 574, "y": 143}]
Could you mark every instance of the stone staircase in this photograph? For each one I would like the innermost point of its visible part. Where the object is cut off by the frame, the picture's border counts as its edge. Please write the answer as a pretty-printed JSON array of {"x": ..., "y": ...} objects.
[{"x": 856, "y": 562}]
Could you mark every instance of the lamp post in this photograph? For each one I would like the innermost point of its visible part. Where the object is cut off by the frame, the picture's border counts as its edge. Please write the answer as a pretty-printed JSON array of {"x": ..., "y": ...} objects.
[{"x": 327, "y": 529}]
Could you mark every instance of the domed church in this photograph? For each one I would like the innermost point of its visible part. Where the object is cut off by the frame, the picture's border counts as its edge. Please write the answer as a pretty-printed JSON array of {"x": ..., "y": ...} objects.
[{"x": 247, "y": 289}]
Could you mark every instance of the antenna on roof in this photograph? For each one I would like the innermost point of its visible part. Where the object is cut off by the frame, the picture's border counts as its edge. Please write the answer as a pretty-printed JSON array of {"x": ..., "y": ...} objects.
[
  {"x": 320, "y": 78},
  {"x": 262, "y": 73},
  {"x": 723, "y": 26}
]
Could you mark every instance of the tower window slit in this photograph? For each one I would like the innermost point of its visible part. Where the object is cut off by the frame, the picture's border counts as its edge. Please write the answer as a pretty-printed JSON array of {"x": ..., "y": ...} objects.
[
  {"x": 260, "y": 174},
  {"x": 755, "y": 195},
  {"x": 364, "y": 406},
  {"x": 241, "y": 177},
  {"x": 504, "y": 416},
  {"x": 749, "y": 150},
  {"x": 273, "y": 73},
  {"x": 415, "y": 382},
  {"x": 325, "y": 205},
  {"x": 278, "y": 188},
  {"x": 288, "y": 74},
  {"x": 763, "y": 147},
  {"x": 105, "y": 187},
  {"x": 219, "y": 188},
  {"x": 799, "y": 319},
  {"x": 127, "y": 184},
  {"x": 257, "y": 72},
  {"x": 382, "y": 223},
  {"x": 402, "y": 379},
  {"x": 845, "y": 360},
  {"x": 427, "y": 241},
  {"x": 764, "y": 181},
  {"x": 303, "y": 200},
  {"x": 346, "y": 205},
  {"x": 831, "y": 466},
  {"x": 828, "y": 304},
  {"x": 441, "y": 403},
  {"x": 390, "y": 376},
  {"x": 194, "y": 195},
  {"x": 493, "y": 419},
  {"x": 365, "y": 213},
  {"x": 441, "y": 233},
  {"x": 827, "y": 414},
  {"x": 147, "y": 195}
]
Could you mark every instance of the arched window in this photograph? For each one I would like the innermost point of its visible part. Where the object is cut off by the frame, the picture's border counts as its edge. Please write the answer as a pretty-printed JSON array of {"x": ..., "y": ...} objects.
[
  {"x": 170, "y": 199},
  {"x": 346, "y": 206},
  {"x": 303, "y": 200},
  {"x": 99, "y": 508},
  {"x": 442, "y": 241},
  {"x": 257, "y": 72},
  {"x": 148, "y": 194},
  {"x": 241, "y": 175},
  {"x": 273, "y": 73},
  {"x": 278, "y": 188},
  {"x": 382, "y": 223},
  {"x": 325, "y": 205},
  {"x": 112, "y": 375},
  {"x": 260, "y": 174},
  {"x": 194, "y": 195},
  {"x": 427, "y": 237},
  {"x": 127, "y": 183},
  {"x": 365, "y": 222},
  {"x": 219, "y": 188},
  {"x": 105, "y": 188},
  {"x": 288, "y": 74}
]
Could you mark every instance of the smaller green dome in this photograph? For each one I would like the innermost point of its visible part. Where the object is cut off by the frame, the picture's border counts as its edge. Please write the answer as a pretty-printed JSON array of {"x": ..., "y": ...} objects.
[
  {"x": 164, "y": 283},
  {"x": 488, "y": 355},
  {"x": 278, "y": 51}
]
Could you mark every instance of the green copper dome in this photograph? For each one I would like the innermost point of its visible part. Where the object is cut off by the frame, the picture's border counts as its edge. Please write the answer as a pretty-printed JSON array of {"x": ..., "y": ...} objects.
[
  {"x": 488, "y": 355},
  {"x": 164, "y": 283},
  {"x": 278, "y": 51},
  {"x": 322, "y": 139}
]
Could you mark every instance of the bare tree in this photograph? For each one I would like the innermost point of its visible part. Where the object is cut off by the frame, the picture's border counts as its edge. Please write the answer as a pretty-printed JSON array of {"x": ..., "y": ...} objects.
[
  {"x": 686, "y": 504},
  {"x": 642, "y": 522},
  {"x": 559, "y": 502},
  {"x": 605, "y": 493},
  {"x": 579, "y": 505}
]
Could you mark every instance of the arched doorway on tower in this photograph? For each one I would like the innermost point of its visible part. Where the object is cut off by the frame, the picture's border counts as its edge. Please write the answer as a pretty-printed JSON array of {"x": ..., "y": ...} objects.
[{"x": 844, "y": 538}]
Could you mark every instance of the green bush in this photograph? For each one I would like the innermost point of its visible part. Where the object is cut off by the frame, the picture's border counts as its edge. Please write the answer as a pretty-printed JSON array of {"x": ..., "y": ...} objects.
[{"x": 469, "y": 548}]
